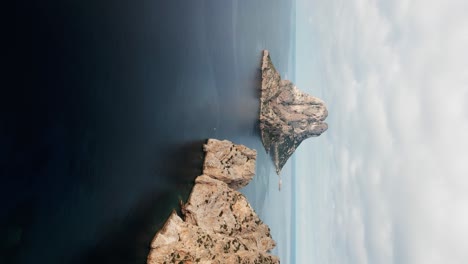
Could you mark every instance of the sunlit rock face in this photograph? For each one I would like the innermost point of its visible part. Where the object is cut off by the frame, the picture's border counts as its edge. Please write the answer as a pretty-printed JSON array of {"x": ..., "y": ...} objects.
[
  {"x": 219, "y": 209},
  {"x": 287, "y": 115},
  {"x": 218, "y": 225},
  {"x": 229, "y": 163}
]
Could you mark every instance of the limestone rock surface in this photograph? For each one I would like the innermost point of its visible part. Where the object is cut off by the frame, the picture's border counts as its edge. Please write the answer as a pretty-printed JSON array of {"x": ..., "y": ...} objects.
[
  {"x": 179, "y": 241},
  {"x": 230, "y": 163},
  {"x": 287, "y": 115},
  {"x": 215, "y": 207},
  {"x": 219, "y": 225}
]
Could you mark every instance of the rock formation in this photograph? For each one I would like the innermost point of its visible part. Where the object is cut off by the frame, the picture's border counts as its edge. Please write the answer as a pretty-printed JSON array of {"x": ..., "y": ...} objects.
[
  {"x": 232, "y": 164},
  {"x": 219, "y": 224},
  {"x": 287, "y": 115}
]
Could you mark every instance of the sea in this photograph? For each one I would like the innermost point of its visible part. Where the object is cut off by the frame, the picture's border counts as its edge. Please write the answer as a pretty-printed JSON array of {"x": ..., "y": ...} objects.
[{"x": 109, "y": 106}]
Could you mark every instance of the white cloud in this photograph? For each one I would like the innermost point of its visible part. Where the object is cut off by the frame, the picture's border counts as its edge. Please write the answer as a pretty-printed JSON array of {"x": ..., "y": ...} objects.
[{"x": 396, "y": 74}]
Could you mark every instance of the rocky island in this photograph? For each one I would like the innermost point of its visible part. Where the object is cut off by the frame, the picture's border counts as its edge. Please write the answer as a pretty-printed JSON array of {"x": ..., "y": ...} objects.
[
  {"x": 218, "y": 224},
  {"x": 287, "y": 115}
]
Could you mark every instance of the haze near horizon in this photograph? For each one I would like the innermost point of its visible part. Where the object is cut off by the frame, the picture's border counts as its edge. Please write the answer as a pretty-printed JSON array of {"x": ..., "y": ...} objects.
[{"x": 387, "y": 182}]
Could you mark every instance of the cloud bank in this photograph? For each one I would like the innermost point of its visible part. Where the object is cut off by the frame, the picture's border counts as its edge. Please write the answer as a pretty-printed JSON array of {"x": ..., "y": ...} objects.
[{"x": 395, "y": 76}]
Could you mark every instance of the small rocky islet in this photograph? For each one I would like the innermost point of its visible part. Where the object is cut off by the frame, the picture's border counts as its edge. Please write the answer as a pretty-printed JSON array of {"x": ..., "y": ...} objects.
[{"x": 288, "y": 116}]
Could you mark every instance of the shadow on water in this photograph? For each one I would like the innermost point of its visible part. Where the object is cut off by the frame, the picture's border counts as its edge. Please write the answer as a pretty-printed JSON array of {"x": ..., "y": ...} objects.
[
  {"x": 254, "y": 85},
  {"x": 258, "y": 77},
  {"x": 128, "y": 241},
  {"x": 13, "y": 229}
]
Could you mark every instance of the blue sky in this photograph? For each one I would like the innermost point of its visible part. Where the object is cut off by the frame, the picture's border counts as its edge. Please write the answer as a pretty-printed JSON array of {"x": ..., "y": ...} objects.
[{"x": 387, "y": 183}]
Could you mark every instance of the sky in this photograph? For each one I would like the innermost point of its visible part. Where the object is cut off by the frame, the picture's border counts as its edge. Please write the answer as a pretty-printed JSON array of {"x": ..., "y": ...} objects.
[{"x": 388, "y": 182}]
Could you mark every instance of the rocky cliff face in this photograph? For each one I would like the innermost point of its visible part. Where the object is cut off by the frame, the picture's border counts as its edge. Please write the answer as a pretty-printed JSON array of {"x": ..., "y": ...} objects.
[
  {"x": 287, "y": 115},
  {"x": 229, "y": 163},
  {"x": 219, "y": 224}
]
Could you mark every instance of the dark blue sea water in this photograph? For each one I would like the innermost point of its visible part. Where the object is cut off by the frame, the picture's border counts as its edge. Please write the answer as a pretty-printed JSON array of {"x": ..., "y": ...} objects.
[{"x": 108, "y": 107}]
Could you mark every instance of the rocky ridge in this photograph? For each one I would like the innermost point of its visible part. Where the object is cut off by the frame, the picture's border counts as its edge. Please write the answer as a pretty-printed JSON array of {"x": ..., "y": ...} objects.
[
  {"x": 287, "y": 115},
  {"x": 219, "y": 225}
]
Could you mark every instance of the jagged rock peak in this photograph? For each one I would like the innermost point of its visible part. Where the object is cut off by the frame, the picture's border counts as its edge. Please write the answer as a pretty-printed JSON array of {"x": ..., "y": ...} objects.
[
  {"x": 219, "y": 225},
  {"x": 287, "y": 115}
]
